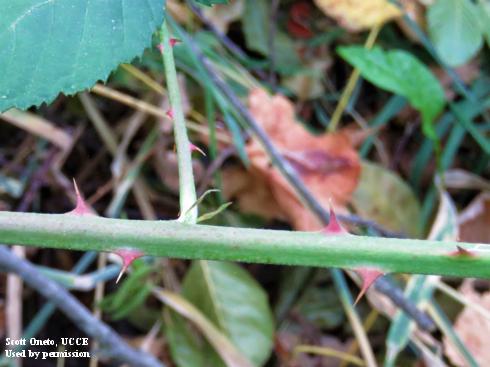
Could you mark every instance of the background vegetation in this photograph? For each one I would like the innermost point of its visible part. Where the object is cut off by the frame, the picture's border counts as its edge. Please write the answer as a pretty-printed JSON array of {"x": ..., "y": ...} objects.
[{"x": 379, "y": 108}]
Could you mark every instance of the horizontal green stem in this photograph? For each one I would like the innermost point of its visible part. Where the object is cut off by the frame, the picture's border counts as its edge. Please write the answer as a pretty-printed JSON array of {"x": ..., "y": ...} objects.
[{"x": 186, "y": 241}]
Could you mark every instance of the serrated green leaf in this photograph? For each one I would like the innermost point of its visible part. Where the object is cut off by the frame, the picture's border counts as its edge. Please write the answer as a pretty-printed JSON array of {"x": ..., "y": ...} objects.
[
  {"x": 255, "y": 22},
  {"x": 402, "y": 73},
  {"x": 230, "y": 298},
  {"x": 454, "y": 28},
  {"x": 53, "y": 46},
  {"x": 380, "y": 195}
]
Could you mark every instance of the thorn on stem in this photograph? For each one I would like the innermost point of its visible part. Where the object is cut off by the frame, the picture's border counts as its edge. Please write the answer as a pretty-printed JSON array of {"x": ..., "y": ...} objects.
[
  {"x": 127, "y": 256},
  {"x": 81, "y": 208},
  {"x": 172, "y": 41},
  {"x": 461, "y": 252},
  {"x": 334, "y": 227},
  {"x": 195, "y": 148},
  {"x": 170, "y": 114},
  {"x": 368, "y": 277}
]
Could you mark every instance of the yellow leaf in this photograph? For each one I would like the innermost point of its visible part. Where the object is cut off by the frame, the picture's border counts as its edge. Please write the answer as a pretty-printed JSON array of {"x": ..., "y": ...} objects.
[{"x": 358, "y": 15}]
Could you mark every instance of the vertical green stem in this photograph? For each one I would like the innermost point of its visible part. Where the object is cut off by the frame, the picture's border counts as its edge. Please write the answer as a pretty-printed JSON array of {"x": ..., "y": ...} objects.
[{"x": 187, "y": 190}]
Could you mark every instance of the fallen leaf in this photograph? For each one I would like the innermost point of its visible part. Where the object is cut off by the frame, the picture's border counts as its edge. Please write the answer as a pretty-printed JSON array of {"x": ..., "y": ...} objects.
[
  {"x": 380, "y": 196},
  {"x": 472, "y": 328},
  {"x": 474, "y": 221},
  {"x": 327, "y": 164},
  {"x": 253, "y": 194},
  {"x": 308, "y": 83},
  {"x": 358, "y": 15}
]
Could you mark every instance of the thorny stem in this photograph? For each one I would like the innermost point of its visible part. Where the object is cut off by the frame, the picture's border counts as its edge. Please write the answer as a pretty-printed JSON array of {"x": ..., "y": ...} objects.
[
  {"x": 187, "y": 190},
  {"x": 181, "y": 240},
  {"x": 286, "y": 169},
  {"x": 393, "y": 292}
]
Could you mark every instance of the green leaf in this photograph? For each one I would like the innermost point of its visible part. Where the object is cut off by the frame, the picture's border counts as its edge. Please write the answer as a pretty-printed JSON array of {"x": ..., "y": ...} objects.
[
  {"x": 184, "y": 344},
  {"x": 401, "y": 73},
  {"x": 484, "y": 11},
  {"x": 255, "y": 23},
  {"x": 230, "y": 298},
  {"x": 454, "y": 28},
  {"x": 385, "y": 198},
  {"x": 131, "y": 294},
  {"x": 53, "y": 46}
]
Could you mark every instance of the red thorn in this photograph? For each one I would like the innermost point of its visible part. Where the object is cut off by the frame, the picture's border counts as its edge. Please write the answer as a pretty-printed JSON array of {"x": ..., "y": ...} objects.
[
  {"x": 81, "y": 208},
  {"x": 195, "y": 148},
  {"x": 127, "y": 256},
  {"x": 334, "y": 227},
  {"x": 368, "y": 276},
  {"x": 170, "y": 114},
  {"x": 461, "y": 252},
  {"x": 174, "y": 41}
]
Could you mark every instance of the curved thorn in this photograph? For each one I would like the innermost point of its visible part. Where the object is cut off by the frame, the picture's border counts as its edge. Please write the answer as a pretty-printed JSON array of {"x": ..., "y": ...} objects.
[{"x": 127, "y": 256}]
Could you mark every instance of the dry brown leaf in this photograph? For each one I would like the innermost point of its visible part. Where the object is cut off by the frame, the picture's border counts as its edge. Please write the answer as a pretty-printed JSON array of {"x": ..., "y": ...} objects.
[
  {"x": 252, "y": 193},
  {"x": 472, "y": 328},
  {"x": 327, "y": 164},
  {"x": 358, "y": 15},
  {"x": 474, "y": 221}
]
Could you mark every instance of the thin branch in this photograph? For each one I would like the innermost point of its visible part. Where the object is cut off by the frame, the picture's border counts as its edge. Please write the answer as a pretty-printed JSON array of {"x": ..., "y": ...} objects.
[
  {"x": 181, "y": 240},
  {"x": 112, "y": 345},
  {"x": 187, "y": 190}
]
